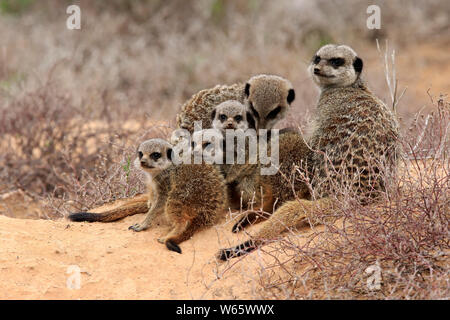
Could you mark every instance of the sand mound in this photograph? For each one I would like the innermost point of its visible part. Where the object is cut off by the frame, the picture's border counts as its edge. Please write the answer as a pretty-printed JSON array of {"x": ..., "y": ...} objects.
[{"x": 39, "y": 259}]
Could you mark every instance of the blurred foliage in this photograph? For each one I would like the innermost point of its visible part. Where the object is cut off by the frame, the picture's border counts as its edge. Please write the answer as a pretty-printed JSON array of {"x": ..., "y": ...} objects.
[{"x": 15, "y": 6}]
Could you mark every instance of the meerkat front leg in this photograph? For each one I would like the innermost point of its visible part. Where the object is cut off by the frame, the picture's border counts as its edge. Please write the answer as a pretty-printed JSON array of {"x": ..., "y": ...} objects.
[{"x": 155, "y": 208}]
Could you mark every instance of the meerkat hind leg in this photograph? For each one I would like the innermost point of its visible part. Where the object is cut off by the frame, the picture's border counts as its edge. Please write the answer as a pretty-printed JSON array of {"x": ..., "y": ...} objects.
[
  {"x": 251, "y": 217},
  {"x": 185, "y": 221},
  {"x": 291, "y": 214},
  {"x": 182, "y": 231}
]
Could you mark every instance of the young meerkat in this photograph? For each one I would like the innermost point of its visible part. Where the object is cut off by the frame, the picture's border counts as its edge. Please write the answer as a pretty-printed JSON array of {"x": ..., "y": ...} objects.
[
  {"x": 355, "y": 136},
  {"x": 192, "y": 196},
  {"x": 268, "y": 97},
  {"x": 287, "y": 183},
  {"x": 232, "y": 117}
]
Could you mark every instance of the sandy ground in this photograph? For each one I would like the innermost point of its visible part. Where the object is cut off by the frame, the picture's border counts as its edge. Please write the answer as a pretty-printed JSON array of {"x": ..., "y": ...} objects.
[
  {"x": 115, "y": 263},
  {"x": 39, "y": 259}
]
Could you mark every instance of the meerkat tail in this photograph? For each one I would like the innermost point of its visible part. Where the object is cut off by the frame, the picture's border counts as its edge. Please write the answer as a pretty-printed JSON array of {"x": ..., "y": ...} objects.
[
  {"x": 239, "y": 250},
  {"x": 111, "y": 215},
  {"x": 291, "y": 214}
]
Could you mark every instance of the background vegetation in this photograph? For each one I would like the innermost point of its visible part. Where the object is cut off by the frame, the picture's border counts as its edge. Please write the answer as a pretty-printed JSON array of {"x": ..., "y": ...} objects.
[{"x": 75, "y": 103}]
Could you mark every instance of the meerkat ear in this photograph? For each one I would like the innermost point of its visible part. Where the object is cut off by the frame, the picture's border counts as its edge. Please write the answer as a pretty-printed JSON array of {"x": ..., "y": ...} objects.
[
  {"x": 213, "y": 114},
  {"x": 169, "y": 154},
  {"x": 358, "y": 65},
  {"x": 251, "y": 120},
  {"x": 291, "y": 96},
  {"x": 247, "y": 89}
]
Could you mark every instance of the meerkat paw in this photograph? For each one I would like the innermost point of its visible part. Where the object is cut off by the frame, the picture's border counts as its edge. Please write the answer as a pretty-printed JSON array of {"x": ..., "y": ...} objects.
[
  {"x": 250, "y": 218},
  {"x": 239, "y": 226},
  {"x": 161, "y": 240},
  {"x": 138, "y": 227}
]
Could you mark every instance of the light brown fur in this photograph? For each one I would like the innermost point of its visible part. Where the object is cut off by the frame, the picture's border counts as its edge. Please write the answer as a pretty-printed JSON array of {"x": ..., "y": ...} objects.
[
  {"x": 262, "y": 93},
  {"x": 355, "y": 139},
  {"x": 192, "y": 196}
]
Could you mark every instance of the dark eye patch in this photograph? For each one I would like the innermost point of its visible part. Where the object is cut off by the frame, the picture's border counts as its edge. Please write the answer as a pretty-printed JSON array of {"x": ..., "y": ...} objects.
[
  {"x": 140, "y": 154},
  {"x": 255, "y": 113},
  {"x": 273, "y": 114},
  {"x": 222, "y": 117},
  {"x": 316, "y": 59},
  {"x": 238, "y": 118},
  {"x": 337, "y": 62},
  {"x": 206, "y": 144},
  {"x": 155, "y": 155}
]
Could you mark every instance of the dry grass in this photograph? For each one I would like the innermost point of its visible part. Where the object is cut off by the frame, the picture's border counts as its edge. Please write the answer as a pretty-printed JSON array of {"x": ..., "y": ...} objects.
[{"x": 74, "y": 105}]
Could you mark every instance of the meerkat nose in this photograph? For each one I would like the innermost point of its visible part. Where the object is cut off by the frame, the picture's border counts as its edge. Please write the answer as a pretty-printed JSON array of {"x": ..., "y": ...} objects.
[{"x": 316, "y": 71}]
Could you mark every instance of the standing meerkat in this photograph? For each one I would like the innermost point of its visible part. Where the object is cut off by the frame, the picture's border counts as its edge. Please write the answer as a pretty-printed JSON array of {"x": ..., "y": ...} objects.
[
  {"x": 268, "y": 97},
  {"x": 192, "y": 196},
  {"x": 354, "y": 141}
]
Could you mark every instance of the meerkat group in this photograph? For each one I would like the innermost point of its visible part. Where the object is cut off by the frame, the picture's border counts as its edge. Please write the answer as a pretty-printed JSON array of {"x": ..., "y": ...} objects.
[{"x": 354, "y": 134}]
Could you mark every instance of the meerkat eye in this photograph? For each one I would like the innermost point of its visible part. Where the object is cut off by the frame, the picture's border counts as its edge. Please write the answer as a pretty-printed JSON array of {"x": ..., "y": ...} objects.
[
  {"x": 337, "y": 62},
  {"x": 238, "y": 118},
  {"x": 206, "y": 144},
  {"x": 140, "y": 154},
  {"x": 273, "y": 114},
  {"x": 255, "y": 113},
  {"x": 155, "y": 156},
  {"x": 222, "y": 117},
  {"x": 316, "y": 59}
]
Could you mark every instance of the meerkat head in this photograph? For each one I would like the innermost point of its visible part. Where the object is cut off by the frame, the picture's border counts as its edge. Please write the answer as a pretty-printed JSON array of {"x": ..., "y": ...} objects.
[
  {"x": 268, "y": 98},
  {"x": 208, "y": 143},
  {"x": 154, "y": 155},
  {"x": 231, "y": 114},
  {"x": 335, "y": 66}
]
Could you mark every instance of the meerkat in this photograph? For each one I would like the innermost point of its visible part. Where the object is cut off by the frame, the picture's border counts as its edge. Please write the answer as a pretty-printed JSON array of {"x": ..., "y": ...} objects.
[
  {"x": 288, "y": 183},
  {"x": 232, "y": 117},
  {"x": 355, "y": 135},
  {"x": 268, "y": 97},
  {"x": 192, "y": 196}
]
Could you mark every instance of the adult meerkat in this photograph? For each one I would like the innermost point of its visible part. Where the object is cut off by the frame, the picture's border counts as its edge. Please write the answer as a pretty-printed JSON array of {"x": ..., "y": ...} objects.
[
  {"x": 192, "y": 196},
  {"x": 355, "y": 135},
  {"x": 268, "y": 97}
]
